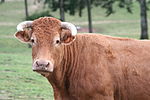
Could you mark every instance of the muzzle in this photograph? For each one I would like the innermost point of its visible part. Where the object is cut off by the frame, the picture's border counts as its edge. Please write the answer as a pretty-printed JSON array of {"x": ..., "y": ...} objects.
[{"x": 43, "y": 66}]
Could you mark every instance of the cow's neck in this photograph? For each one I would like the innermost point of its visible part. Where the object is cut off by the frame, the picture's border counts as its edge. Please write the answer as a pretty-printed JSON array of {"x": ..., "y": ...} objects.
[{"x": 61, "y": 76}]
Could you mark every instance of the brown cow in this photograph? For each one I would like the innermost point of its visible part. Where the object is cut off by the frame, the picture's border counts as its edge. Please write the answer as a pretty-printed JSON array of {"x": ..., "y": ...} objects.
[{"x": 87, "y": 66}]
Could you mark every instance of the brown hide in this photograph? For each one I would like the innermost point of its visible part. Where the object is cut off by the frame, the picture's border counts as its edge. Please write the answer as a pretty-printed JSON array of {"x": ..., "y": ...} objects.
[
  {"x": 104, "y": 68},
  {"x": 94, "y": 66}
]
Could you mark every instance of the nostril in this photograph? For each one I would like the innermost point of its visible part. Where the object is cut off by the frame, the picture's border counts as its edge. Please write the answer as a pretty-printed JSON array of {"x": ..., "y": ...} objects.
[
  {"x": 47, "y": 64},
  {"x": 42, "y": 63},
  {"x": 37, "y": 63}
]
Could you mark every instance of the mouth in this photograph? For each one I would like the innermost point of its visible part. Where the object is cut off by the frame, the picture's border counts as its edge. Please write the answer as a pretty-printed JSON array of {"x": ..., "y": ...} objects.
[
  {"x": 40, "y": 70},
  {"x": 44, "y": 73}
]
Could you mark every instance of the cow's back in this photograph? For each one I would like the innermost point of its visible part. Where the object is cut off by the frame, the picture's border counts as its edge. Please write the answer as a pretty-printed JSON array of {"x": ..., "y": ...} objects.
[
  {"x": 131, "y": 68},
  {"x": 113, "y": 66}
]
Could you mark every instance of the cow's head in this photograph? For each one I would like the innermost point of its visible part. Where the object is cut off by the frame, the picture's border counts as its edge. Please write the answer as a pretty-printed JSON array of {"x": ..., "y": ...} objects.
[{"x": 47, "y": 36}]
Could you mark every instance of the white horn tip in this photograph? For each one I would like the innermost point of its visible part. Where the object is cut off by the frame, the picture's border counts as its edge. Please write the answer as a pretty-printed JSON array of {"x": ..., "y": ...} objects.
[
  {"x": 74, "y": 32},
  {"x": 70, "y": 26},
  {"x": 19, "y": 28},
  {"x": 24, "y": 24}
]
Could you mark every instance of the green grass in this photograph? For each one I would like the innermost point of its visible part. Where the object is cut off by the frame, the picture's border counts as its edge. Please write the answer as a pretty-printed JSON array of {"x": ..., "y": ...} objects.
[
  {"x": 17, "y": 80},
  {"x": 11, "y": 11}
]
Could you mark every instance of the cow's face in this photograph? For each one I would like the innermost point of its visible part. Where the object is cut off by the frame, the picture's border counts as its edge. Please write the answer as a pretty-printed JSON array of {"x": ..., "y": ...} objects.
[{"x": 47, "y": 37}]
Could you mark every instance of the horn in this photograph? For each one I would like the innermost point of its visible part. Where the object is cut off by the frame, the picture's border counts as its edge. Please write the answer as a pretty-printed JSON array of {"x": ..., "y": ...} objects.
[
  {"x": 69, "y": 26},
  {"x": 25, "y": 24}
]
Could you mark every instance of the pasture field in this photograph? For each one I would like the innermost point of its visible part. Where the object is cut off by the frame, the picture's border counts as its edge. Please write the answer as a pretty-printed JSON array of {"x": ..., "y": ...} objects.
[{"x": 17, "y": 80}]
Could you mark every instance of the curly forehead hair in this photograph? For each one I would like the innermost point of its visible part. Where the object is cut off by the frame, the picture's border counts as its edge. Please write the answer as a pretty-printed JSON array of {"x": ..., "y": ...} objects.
[{"x": 49, "y": 22}]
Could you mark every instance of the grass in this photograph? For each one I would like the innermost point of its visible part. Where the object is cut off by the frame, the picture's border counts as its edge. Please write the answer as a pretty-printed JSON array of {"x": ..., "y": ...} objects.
[
  {"x": 16, "y": 77},
  {"x": 17, "y": 81},
  {"x": 12, "y": 11}
]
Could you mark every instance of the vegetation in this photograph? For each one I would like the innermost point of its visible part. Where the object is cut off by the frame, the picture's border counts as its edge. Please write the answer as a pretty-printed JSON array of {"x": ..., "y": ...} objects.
[
  {"x": 17, "y": 80},
  {"x": 74, "y": 6},
  {"x": 39, "y": 14}
]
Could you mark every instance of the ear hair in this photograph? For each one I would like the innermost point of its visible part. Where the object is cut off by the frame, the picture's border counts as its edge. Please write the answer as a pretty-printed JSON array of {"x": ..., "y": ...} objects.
[
  {"x": 66, "y": 37},
  {"x": 24, "y": 36}
]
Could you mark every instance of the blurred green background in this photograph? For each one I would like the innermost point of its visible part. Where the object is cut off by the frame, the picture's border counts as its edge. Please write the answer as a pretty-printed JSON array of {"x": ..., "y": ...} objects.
[{"x": 17, "y": 80}]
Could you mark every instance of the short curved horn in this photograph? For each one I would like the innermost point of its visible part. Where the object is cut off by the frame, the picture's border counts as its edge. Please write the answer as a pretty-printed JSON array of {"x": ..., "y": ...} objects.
[
  {"x": 25, "y": 24},
  {"x": 69, "y": 26}
]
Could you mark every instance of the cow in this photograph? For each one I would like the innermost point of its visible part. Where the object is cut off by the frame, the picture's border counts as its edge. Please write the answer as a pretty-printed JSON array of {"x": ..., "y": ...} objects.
[{"x": 87, "y": 66}]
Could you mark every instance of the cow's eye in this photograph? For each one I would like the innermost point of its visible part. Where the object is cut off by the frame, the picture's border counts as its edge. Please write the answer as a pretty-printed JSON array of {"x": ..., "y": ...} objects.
[
  {"x": 32, "y": 40},
  {"x": 57, "y": 41}
]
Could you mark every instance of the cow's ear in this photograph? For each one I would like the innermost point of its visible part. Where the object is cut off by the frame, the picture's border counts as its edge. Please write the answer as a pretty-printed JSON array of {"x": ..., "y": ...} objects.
[
  {"x": 68, "y": 32},
  {"x": 24, "y": 30},
  {"x": 66, "y": 37},
  {"x": 23, "y": 36}
]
